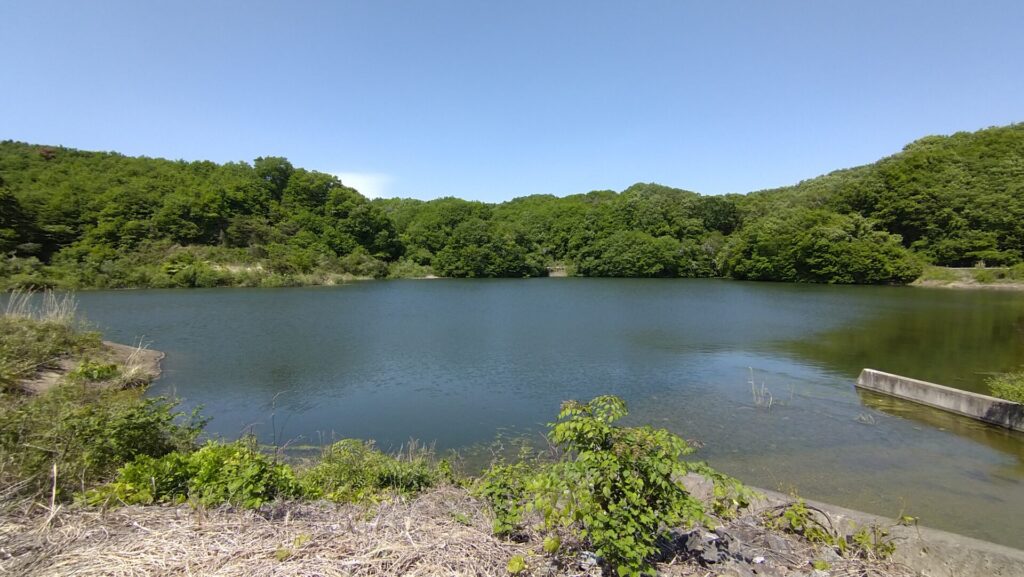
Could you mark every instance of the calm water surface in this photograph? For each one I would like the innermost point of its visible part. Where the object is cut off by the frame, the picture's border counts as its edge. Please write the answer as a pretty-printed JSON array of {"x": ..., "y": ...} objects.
[{"x": 461, "y": 361}]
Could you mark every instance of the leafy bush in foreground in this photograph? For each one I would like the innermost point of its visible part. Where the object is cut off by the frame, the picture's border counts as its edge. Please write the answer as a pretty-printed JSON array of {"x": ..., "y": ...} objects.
[
  {"x": 83, "y": 435},
  {"x": 617, "y": 486},
  {"x": 235, "y": 473}
]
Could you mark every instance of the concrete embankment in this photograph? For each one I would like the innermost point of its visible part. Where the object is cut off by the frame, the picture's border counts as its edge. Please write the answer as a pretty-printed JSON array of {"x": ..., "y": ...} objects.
[
  {"x": 926, "y": 552},
  {"x": 981, "y": 407},
  {"x": 929, "y": 552}
]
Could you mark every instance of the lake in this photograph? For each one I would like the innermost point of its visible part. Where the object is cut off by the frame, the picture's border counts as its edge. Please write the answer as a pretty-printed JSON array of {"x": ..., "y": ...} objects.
[{"x": 460, "y": 362}]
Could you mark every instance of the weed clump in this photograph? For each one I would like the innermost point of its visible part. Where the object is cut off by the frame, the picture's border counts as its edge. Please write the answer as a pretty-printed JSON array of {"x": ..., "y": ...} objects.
[
  {"x": 35, "y": 333},
  {"x": 1008, "y": 386},
  {"x": 72, "y": 436},
  {"x": 235, "y": 473},
  {"x": 869, "y": 542},
  {"x": 352, "y": 470}
]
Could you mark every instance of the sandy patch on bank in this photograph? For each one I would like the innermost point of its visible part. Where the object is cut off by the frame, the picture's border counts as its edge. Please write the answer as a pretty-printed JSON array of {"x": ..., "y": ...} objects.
[{"x": 141, "y": 363}]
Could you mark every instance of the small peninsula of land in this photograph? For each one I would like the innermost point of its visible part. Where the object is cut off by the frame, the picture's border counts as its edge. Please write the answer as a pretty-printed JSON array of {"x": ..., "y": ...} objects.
[{"x": 75, "y": 219}]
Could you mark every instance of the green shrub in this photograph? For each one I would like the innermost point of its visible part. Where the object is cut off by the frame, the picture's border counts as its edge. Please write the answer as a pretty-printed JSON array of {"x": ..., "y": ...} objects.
[
  {"x": 504, "y": 488},
  {"x": 729, "y": 495},
  {"x": 984, "y": 275},
  {"x": 404, "y": 268},
  {"x": 1016, "y": 272},
  {"x": 85, "y": 434},
  {"x": 1009, "y": 386},
  {"x": 352, "y": 470},
  {"x": 234, "y": 473},
  {"x": 939, "y": 274},
  {"x": 617, "y": 483},
  {"x": 617, "y": 487},
  {"x": 93, "y": 371}
]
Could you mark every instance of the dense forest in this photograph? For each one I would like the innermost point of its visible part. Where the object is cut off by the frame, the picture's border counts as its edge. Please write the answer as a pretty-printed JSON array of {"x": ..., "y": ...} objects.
[{"x": 77, "y": 219}]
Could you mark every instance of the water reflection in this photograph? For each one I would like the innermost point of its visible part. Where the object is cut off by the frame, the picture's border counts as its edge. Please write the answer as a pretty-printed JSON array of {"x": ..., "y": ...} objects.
[
  {"x": 941, "y": 336},
  {"x": 998, "y": 438}
]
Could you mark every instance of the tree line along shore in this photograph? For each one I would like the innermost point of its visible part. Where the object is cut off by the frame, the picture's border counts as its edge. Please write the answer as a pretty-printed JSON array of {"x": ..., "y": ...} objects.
[{"x": 77, "y": 219}]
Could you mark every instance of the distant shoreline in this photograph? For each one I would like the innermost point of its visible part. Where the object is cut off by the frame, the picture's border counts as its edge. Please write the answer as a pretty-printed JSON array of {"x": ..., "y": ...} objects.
[{"x": 967, "y": 285}]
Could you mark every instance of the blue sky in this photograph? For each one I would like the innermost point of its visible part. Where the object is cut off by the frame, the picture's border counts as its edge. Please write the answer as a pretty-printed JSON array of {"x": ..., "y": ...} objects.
[{"x": 489, "y": 101}]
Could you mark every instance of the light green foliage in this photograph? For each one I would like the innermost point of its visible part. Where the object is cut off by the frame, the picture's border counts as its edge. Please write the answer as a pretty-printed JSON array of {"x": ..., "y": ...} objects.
[
  {"x": 1009, "y": 386},
  {"x": 552, "y": 543},
  {"x": 92, "y": 371},
  {"x": 617, "y": 487},
  {"x": 618, "y": 484},
  {"x": 505, "y": 488},
  {"x": 284, "y": 553},
  {"x": 984, "y": 275},
  {"x": 408, "y": 269},
  {"x": 352, "y": 470},
  {"x": 1016, "y": 272},
  {"x": 516, "y": 565},
  {"x": 235, "y": 473},
  {"x": 865, "y": 541},
  {"x": 730, "y": 496},
  {"x": 939, "y": 274},
  {"x": 71, "y": 436}
]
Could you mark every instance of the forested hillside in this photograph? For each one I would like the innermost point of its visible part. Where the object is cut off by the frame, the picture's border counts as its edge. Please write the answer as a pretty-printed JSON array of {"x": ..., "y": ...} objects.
[{"x": 71, "y": 218}]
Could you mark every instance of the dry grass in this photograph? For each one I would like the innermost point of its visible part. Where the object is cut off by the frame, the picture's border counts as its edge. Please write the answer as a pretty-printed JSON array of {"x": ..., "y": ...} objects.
[
  {"x": 51, "y": 307},
  {"x": 138, "y": 366},
  {"x": 444, "y": 531}
]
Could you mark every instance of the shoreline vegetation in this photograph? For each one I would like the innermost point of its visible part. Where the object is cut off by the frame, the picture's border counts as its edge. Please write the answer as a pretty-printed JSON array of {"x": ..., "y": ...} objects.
[
  {"x": 74, "y": 219},
  {"x": 97, "y": 477},
  {"x": 977, "y": 278}
]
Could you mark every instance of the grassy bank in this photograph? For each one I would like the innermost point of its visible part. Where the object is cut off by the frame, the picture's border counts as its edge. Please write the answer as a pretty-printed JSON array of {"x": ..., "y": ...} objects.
[
  {"x": 1010, "y": 278},
  {"x": 101, "y": 479}
]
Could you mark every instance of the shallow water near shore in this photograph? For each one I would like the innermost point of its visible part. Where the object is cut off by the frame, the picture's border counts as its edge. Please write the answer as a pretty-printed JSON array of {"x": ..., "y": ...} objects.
[{"x": 458, "y": 362}]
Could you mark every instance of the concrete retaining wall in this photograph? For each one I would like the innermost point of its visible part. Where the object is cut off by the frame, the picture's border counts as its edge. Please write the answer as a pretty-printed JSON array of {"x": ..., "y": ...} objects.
[{"x": 982, "y": 407}]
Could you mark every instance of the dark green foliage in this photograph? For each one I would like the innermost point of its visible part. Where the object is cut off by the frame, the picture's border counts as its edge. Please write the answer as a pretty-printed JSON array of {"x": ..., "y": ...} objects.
[
  {"x": 638, "y": 254},
  {"x": 955, "y": 199},
  {"x": 355, "y": 471},
  {"x": 82, "y": 219},
  {"x": 235, "y": 473},
  {"x": 86, "y": 434},
  {"x": 819, "y": 246}
]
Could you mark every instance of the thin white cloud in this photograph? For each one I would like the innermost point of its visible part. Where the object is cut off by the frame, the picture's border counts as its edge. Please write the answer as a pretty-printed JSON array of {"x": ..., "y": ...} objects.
[{"x": 370, "y": 184}]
